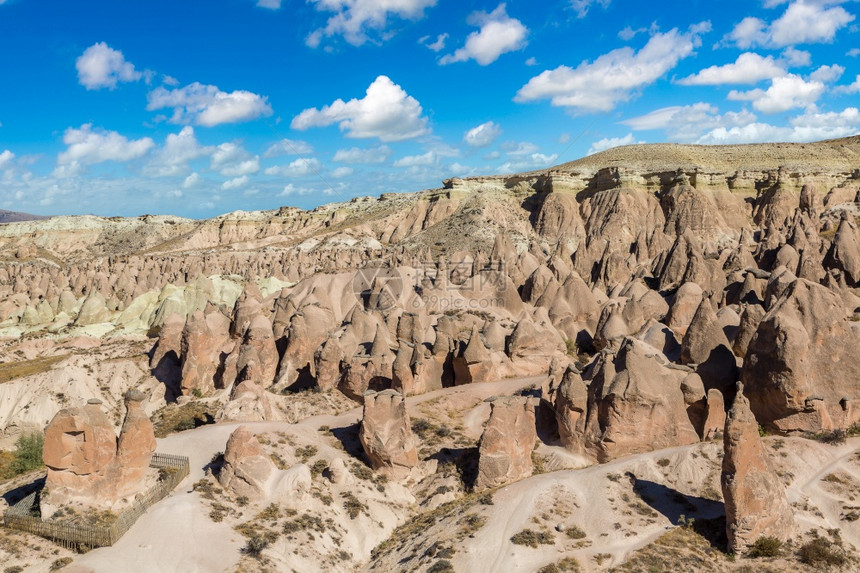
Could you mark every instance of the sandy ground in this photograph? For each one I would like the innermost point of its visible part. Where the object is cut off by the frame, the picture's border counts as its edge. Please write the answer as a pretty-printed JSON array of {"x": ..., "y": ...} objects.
[{"x": 176, "y": 534}]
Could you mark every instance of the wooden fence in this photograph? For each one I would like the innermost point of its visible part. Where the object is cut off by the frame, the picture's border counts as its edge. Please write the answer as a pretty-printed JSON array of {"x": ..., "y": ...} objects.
[{"x": 25, "y": 515}]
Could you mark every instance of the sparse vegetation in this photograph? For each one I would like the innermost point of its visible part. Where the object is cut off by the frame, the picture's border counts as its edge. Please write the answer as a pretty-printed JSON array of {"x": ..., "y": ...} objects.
[
  {"x": 575, "y": 532},
  {"x": 255, "y": 546},
  {"x": 765, "y": 546},
  {"x": 352, "y": 504},
  {"x": 26, "y": 457},
  {"x": 820, "y": 551},
  {"x": 566, "y": 565},
  {"x": 175, "y": 418},
  {"x": 20, "y": 368},
  {"x": 60, "y": 563},
  {"x": 441, "y": 566},
  {"x": 532, "y": 538}
]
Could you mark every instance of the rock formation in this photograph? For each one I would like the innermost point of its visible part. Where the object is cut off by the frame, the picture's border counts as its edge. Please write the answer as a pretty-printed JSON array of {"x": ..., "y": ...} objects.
[
  {"x": 87, "y": 465},
  {"x": 755, "y": 499},
  {"x": 246, "y": 468},
  {"x": 386, "y": 434},
  {"x": 505, "y": 450}
]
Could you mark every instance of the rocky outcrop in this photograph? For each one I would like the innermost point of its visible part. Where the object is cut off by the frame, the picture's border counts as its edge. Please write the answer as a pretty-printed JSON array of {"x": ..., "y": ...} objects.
[
  {"x": 247, "y": 468},
  {"x": 800, "y": 369},
  {"x": 505, "y": 450},
  {"x": 386, "y": 434},
  {"x": 755, "y": 499},
  {"x": 87, "y": 465},
  {"x": 635, "y": 404}
]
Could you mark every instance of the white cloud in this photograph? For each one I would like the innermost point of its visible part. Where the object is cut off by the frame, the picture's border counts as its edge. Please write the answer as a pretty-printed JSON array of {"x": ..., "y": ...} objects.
[
  {"x": 610, "y": 142},
  {"x": 386, "y": 112},
  {"x": 804, "y": 22},
  {"x": 288, "y": 147},
  {"x": 231, "y": 160},
  {"x": 806, "y": 127},
  {"x": 88, "y": 146},
  {"x": 207, "y": 105},
  {"x": 688, "y": 122},
  {"x": 353, "y": 19},
  {"x": 796, "y": 58},
  {"x": 613, "y": 77},
  {"x": 235, "y": 183},
  {"x": 269, "y": 4},
  {"x": 498, "y": 34},
  {"x": 6, "y": 158},
  {"x": 298, "y": 168},
  {"x": 525, "y": 163},
  {"x": 532, "y": 61},
  {"x": 342, "y": 172},
  {"x": 437, "y": 45},
  {"x": 853, "y": 52},
  {"x": 192, "y": 180},
  {"x": 784, "y": 93},
  {"x": 179, "y": 149},
  {"x": 581, "y": 6},
  {"x": 426, "y": 159},
  {"x": 100, "y": 66},
  {"x": 519, "y": 149},
  {"x": 379, "y": 154},
  {"x": 849, "y": 89},
  {"x": 827, "y": 74},
  {"x": 482, "y": 135},
  {"x": 749, "y": 68}
]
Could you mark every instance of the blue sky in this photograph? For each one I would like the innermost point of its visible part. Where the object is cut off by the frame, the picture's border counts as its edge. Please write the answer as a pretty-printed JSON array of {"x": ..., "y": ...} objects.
[{"x": 200, "y": 108}]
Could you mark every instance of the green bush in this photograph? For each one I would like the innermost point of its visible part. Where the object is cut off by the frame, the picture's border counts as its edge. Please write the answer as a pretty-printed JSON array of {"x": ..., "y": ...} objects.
[
  {"x": 28, "y": 453},
  {"x": 255, "y": 546},
  {"x": 820, "y": 551},
  {"x": 765, "y": 547}
]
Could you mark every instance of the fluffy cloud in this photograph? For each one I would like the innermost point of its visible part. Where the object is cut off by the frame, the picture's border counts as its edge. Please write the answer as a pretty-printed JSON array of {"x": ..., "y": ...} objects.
[
  {"x": 88, "y": 146},
  {"x": 850, "y": 89},
  {"x": 498, "y": 34},
  {"x": 804, "y": 22},
  {"x": 614, "y": 77},
  {"x": 207, "y": 105},
  {"x": 379, "y": 154},
  {"x": 100, "y": 66},
  {"x": 298, "y": 168},
  {"x": 179, "y": 149},
  {"x": 288, "y": 147},
  {"x": 749, "y": 68},
  {"x": 353, "y": 19},
  {"x": 582, "y": 6},
  {"x": 610, "y": 142},
  {"x": 784, "y": 93},
  {"x": 6, "y": 158},
  {"x": 687, "y": 122},
  {"x": 235, "y": 183},
  {"x": 342, "y": 172},
  {"x": 269, "y": 4},
  {"x": 192, "y": 180},
  {"x": 482, "y": 135},
  {"x": 806, "y": 127},
  {"x": 386, "y": 112},
  {"x": 231, "y": 160}
]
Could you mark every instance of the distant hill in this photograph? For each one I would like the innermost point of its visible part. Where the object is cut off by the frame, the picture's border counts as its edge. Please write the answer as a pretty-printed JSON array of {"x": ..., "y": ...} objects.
[{"x": 15, "y": 216}]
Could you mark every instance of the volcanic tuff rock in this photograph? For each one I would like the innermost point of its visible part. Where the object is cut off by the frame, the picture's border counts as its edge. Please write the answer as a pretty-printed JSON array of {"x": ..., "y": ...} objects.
[
  {"x": 386, "y": 434},
  {"x": 755, "y": 500},
  {"x": 246, "y": 467},
  {"x": 505, "y": 450}
]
